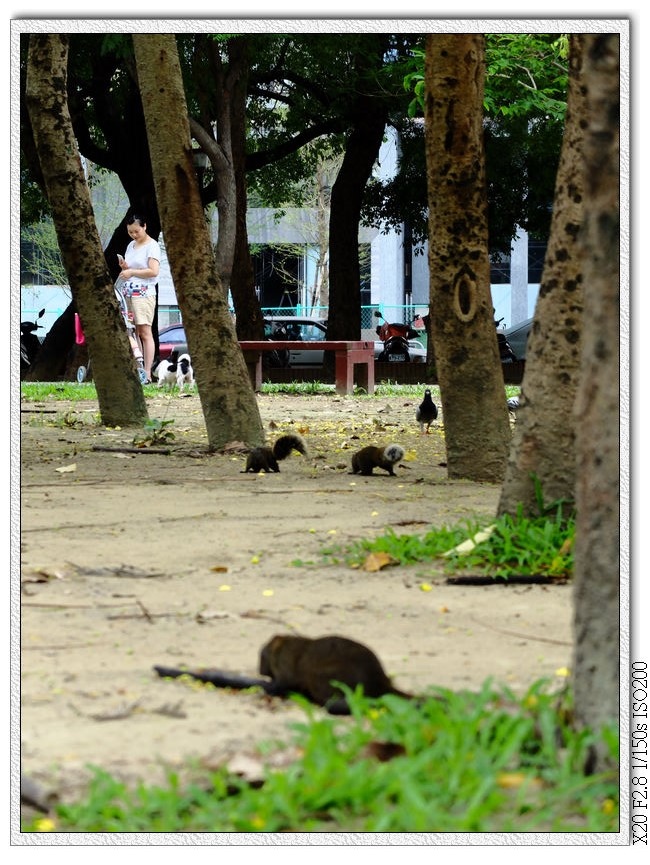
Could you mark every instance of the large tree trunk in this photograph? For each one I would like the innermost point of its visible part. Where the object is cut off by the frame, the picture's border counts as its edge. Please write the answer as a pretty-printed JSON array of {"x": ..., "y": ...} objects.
[
  {"x": 543, "y": 447},
  {"x": 121, "y": 401},
  {"x": 477, "y": 432},
  {"x": 227, "y": 397},
  {"x": 250, "y": 321},
  {"x": 361, "y": 150},
  {"x": 597, "y": 552}
]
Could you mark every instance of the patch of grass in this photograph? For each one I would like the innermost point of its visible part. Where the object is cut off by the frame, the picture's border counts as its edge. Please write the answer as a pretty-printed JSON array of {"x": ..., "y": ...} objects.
[
  {"x": 67, "y": 390},
  {"x": 72, "y": 391},
  {"x": 512, "y": 545},
  {"x": 466, "y": 762},
  {"x": 155, "y": 432}
]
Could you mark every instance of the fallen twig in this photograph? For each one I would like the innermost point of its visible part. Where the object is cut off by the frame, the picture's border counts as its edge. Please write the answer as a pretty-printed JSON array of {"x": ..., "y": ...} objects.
[
  {"x": 519, "y": 635},
  {"x": 519, "y": 580},
  {"x": 132, "y": 450}
]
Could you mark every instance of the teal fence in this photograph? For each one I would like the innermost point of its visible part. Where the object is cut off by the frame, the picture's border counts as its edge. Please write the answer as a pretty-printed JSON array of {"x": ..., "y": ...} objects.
[{"x": 369, "y": 322}]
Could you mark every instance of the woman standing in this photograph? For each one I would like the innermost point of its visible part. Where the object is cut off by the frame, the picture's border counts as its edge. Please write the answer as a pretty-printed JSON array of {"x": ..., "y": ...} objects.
[{"x": 140, "y": 268}]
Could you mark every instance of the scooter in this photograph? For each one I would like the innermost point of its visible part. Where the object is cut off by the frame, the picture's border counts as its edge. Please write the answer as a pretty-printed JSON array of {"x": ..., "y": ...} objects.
[
  {"x": 30, "y": 344},
  {"x": 506, "y": 354},
  {"x": 280, "y": 357},
  {"x": 395, "y": 337}
]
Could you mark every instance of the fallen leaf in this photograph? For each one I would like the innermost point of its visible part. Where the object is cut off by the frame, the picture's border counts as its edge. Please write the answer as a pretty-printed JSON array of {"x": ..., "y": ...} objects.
[
  {"x": 219, "y": 569},
  {"x": 71, "y": 468},
  {"x": 377, "y": 561},
  {"x": 384, "y": 751},
  {"x": 208, "y": 615},
  {"x": 514, "y": 780},
  {"x": 468, "y": 545}
]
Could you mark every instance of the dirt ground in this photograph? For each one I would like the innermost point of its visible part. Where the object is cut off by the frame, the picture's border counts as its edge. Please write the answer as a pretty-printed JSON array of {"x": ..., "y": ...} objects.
[{"x": 130, "y": 560}]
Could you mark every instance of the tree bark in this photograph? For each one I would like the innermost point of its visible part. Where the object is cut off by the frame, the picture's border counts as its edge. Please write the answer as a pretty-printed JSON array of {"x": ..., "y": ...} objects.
[
  {"x": 370, "y": 117},
  {"x": 597, "y": 551},
  {"x": 249, "y": 318},
  {"x": 119, "y": 392},
  {"x": 477, "y": 432},
  {"x": 543, "y": 447},
  {"x": 227, "y": 398}
]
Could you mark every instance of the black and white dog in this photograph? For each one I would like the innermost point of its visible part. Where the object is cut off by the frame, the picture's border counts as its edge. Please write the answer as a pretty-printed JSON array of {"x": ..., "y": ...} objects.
[
  {"x": 184, "y": 373},
  {"x": 175, "y": 370}
]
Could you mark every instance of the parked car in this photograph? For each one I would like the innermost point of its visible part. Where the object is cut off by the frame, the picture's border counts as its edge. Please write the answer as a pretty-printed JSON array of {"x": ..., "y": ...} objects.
[
  {"x": 310, "y": 329},
  {"x": 305, "y": 329},
  {"x": 170, "y": 338},
  {"x": 517, "y": 336}
]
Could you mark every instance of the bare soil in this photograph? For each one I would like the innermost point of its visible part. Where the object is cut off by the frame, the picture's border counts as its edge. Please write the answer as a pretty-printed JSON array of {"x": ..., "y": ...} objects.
[{"x": 131, "y": 560}]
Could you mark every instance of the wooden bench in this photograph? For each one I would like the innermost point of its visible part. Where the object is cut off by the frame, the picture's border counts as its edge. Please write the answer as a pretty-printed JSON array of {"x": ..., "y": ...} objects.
[{"x": 348, "y": 354}]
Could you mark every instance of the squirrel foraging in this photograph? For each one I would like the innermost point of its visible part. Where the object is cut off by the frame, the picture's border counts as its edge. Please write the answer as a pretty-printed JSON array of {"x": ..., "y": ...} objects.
[
  {"x": 266, "y": 458},
  {"x": 301, "y": 665},
  {"x": 365, "y": 460},
  {"x": 311, "y": 666}
]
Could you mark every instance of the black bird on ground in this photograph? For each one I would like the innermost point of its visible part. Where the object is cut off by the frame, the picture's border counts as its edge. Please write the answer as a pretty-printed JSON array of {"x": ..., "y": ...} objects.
[{"x": 426, "y": 412}]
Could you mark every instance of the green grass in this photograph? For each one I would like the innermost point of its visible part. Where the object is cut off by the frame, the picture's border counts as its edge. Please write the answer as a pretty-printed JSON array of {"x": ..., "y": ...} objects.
[
  {"x": 468, "y": 762},
  {"x": 517, "y": 545},
  {"x": 68, "y": 390}
]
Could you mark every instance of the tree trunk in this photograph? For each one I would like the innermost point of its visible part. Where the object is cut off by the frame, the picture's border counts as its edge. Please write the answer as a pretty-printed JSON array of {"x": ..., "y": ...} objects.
[
  {"x": 370, "y": 116},
  {"x": 477, "y": 432},
  {"x": 250, "y": 321},
  {"x": 227, "y": 398},
  {"x": 121, "y": 401},
  {"x": 597, "y": 551},
  {"x": 543, "y": 447}
]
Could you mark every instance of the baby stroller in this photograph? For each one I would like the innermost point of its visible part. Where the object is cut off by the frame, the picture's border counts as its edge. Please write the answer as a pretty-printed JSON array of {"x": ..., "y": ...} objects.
[{"x": 83, "y": 372}]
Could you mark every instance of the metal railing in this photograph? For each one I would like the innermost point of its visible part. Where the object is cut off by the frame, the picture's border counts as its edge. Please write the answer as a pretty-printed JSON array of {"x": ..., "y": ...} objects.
[{"x": 404, "y": 313}]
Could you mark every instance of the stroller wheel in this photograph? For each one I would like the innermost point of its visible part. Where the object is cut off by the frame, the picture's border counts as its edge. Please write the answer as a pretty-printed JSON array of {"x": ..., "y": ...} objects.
[{"x": 81, "y": 374}]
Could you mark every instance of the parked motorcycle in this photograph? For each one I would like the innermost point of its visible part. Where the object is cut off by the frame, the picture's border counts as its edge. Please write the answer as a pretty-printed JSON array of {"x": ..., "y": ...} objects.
[
  {"x": 30, "y": 344},
  {"x": 506, "y": 354},
  {"x": 280, "y": 357},
  {"x": 395, "y": 337}
]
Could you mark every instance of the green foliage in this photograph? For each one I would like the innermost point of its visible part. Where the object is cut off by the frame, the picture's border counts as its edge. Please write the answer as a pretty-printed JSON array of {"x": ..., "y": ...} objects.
[
  {"x": 155, "y": 432},
  {"x": 67, "y": 390},
  {"x": 48, "y": 391},
  {"x": 525, "y": 102},
  {"x": 43, "y": 257},
  {"x": 526, "y": 76},
  {"x": 516, "y": 545},
  {"x": 467, "y": 762}
]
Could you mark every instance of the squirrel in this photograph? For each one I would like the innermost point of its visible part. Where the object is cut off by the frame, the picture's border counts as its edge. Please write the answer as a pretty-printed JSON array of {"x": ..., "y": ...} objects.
[
  {"x": 301, "y": 665},
  {"x": 311, "y": 666},
  {"x": 365, "y": 460},
  {"x": 266, "y": 458}
]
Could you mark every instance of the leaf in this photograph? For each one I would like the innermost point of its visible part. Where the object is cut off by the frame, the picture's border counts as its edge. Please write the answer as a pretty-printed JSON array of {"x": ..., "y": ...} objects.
[
  {"x": 377, "y": 561},
  {"x": 71, "y": 468},
  {"x": 468, "y": 545},
  {"x": 514, "y": 780}
]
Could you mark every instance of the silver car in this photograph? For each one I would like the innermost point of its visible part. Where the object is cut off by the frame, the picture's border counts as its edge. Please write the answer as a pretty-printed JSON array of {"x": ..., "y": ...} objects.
[{"x": 309, "y": 329}]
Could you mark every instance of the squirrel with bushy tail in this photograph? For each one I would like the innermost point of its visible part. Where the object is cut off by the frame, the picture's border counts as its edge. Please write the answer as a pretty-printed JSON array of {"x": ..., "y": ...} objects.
[{"x": 266, "y": 458}]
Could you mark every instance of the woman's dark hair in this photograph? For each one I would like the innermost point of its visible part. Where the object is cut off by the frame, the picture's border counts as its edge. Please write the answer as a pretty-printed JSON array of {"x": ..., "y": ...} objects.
[{"x": 135, "y": 217}]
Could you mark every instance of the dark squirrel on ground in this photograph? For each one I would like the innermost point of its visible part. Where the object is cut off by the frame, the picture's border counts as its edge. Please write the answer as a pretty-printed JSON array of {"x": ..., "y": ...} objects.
[
  {"x": 265, "y": 458},
  {"x": 311, "y": 667},
  {"x": 368, "y": 458}
]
